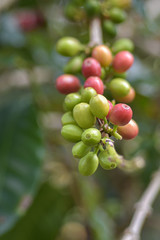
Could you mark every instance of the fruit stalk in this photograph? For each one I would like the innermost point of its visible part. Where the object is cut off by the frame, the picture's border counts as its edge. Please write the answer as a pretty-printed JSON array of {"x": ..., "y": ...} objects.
[{"x": 95, "y": 32}]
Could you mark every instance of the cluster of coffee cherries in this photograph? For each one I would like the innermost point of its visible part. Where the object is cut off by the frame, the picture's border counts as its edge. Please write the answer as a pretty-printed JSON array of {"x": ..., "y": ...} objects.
[
  {"x": 91, "y": 120},
  {"x": 111, "y": 12}
]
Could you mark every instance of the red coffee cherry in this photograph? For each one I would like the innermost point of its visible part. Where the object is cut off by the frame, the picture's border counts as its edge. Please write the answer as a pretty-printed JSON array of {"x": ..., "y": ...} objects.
[
  {"x": 122, "y": 61},
  {"x": 91, "y": 67},
  {"x": 128, "y": 98},
  {"x": 67, "y": 83},
  {"x": 96, "y": 83},
  {"x": 129, "y": 131},
  {"x": 110, "y": 108},
  {"x": 120, "y": 114}
]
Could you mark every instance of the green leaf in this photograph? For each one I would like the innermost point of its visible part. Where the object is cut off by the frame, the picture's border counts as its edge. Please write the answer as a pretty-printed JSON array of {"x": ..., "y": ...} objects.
[{"x": 21, "y": 155}]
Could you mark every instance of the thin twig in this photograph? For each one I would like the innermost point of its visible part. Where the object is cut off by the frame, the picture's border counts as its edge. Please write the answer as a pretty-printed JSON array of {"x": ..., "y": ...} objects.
[
  {"x": 6, "y": 3},
  {"x": 95, "y": 32},
  {"x": 143, "y": 209}
]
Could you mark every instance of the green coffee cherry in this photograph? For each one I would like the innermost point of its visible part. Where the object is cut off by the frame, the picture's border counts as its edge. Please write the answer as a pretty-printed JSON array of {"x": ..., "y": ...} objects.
[
  {"x": 83, "y": 115},
  {"x": 88, "y": 164},
  {"x": 92, "y": 7},
  {"x": 107, "y": 161},
  {"x": 71, "y": 100},
  {"x": 110, "y": 28},
  {"x": 74, "y": 13},
  {"x": 69, "y": 46},
  {"x": 123, "y": 44},
  {"x": 67, "y": 118},
  {"x": 99, "y": 106},
  {"x": 79, "y": 150},
  {"x": 120, "y": 75},
  {"x": 74, "y": 65},
  {"x": 117, "y": 15},
  {"x": 87, "y": 94},
  {"x": 119, "y": 87},
  {"x": 103, "y": 73},
  {"x": 71, "y": 132},
  {"x": 91, "y": 136}
]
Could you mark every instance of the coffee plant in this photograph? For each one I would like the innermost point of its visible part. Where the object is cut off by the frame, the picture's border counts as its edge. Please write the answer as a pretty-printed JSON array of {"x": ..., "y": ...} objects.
[{"x": 93, "y": 120}]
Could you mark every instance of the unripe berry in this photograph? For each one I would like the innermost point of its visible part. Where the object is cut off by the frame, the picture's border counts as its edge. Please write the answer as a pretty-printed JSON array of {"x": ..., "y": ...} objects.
[
  {"x": 67, "y": 83},
  {"x": 87, "y": 94},
  {"x": 120, "y": 114},
  {"x": 117, "y": 15},
  {"x": 71, "y": 132},
  {"x": 129, "y": 131},
  {"x": 91, "y": 136},
  {"x": 99, "y": 106},
  {"x": 83, "y": 115},
  {"x": 79, "y": 150},
  {"x": 68, "y": 46},
  {"x": 88, "y": 164},
  {"x": 74, "y": 65},
  {"x": 103, "y": 55},
  {"x": 122, "y": 61},
  {"x": 67, "y": 118},
  {"x": 123, "y": 44},
  {"x": 128, "y": 98},
  {"x": 107, "y": 161},
  {"x": 91, "y": 67},
  {"x": 110, "y": 28},
  {"x": 110, "y": 108},
  {"x": 72, "y": 100},
  {"x": 92, "y": 7},
  {"x": 96, "y": 83},
  {"x": 119, "y": 87}
]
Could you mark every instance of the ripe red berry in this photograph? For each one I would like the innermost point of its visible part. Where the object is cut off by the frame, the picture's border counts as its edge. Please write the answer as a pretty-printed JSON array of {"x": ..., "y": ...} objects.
[
  {"x": 110, "y": 108},
  {"x": 96, "y": 83},
  {"x": 129, "y": 131},
  {"x": 91, "y": 67},
  {"x": 67, "y": 83},
  {"x": 122, "y": 61},
  {"x": 120, "y": 114}
]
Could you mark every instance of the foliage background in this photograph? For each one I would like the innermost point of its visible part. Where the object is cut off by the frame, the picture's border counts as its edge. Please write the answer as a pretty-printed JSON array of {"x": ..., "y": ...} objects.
[{"x": 42, "y": 196}]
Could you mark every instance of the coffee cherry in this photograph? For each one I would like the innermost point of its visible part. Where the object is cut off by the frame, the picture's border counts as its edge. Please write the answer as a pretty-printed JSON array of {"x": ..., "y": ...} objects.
[
  {"x": 103, "y": 55},
  {"x": 74, "y": 65},
  {"x": 107, "y": 161},
  {"x": 72, "y": 100},
  {"x": 110, "y": 28},
  {"x": 120, "y": 114},
  {"x": 96, "y": 83},
  {"x": 122, "y": 61},
  {"x": 99, "y": 106},
  {"x": 121, "y": 3},
  {"x": 92, "y": 7},
  {"x": 67, "y": 83},
  {"x": 91, "y": 67},
  {"x": 83, "y": 115},
  {"x": 119, "y": 87},
  {"x": 67, "y": 118},
  {"x": 117, "y": 15},
  {"x": 88, "y": 164},
  {"x": 91, "y": 136},
  {"x": 123, "y": 44},
  {"x": 128, "y": 98},
  {"x": 71, "y": 132},
  {"x": 129, "y": 131},
  {"x": 87, "y": 94},
  {"x": 68, "y": 46},
  {"x": 110, "y": 108},
  {"x": 79, "y": 150}
]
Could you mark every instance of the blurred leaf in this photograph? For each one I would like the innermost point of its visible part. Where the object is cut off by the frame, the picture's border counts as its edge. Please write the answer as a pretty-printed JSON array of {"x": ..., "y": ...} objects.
[
  {"x": 22, "y": 152},
  {"x": 44, "y": 219},
  {"x": 101, "y": 225}
]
